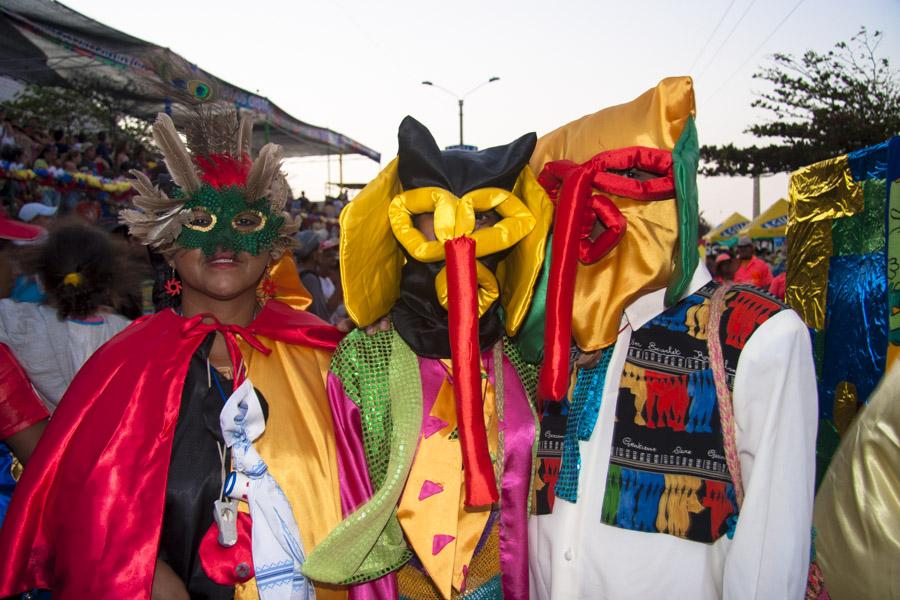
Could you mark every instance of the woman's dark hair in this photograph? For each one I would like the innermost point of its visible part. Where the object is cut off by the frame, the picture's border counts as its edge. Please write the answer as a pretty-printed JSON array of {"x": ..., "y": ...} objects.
[{"x": 82, "y": 269}]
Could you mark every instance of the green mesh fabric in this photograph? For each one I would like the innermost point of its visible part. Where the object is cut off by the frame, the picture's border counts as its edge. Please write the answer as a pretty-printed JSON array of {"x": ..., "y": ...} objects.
[
  {"x": 862, "y": 233},
  {"x": 369, "y": 543}
]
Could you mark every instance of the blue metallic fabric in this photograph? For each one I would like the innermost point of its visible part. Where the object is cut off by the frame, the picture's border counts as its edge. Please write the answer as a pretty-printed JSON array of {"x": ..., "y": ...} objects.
[
  {"x": 870, "y": 162},
  {"x": 856, "y": 325},
  {"x": 582, "y": 417}
]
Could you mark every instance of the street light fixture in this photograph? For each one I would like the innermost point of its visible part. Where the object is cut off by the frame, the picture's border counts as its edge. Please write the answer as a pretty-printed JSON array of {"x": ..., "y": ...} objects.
[{"x": 461, "y": 99}]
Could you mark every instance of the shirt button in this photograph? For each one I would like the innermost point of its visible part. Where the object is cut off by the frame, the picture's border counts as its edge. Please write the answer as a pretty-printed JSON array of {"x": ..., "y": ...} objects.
[{"x": 569, "y": 554}]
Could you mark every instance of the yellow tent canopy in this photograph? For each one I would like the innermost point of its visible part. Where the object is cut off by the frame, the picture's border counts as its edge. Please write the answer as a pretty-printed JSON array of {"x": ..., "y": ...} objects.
[
  {"x": 728, "y": 229},
  {"x": 772, "y": 223}
]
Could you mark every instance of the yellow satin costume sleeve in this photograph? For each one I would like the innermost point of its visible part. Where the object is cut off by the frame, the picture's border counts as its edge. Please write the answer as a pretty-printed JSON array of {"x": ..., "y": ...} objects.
[
  {"x": 298, "y": 444},
  {"x": 857, "y": 512}
]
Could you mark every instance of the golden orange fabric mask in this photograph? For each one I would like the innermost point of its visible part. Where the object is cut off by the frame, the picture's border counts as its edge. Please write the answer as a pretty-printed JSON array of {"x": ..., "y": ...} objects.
[{"x": 643, "y": 261}]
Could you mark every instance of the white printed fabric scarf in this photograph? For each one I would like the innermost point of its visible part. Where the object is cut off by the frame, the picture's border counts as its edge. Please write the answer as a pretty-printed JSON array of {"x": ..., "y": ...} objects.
[{"x": 277, "y": 549}]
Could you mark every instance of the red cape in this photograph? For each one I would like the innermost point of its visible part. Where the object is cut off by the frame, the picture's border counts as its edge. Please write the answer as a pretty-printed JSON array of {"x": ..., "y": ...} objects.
[{"x": 86, "y": 516}]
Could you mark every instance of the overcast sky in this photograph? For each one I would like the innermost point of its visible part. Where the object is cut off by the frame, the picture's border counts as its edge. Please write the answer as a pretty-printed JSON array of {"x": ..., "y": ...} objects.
[{"x": 356, "y": 66}]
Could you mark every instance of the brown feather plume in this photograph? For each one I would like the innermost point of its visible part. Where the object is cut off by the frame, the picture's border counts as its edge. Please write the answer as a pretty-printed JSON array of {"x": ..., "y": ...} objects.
[
  {"x": 211, "y": 129},
  {"x": 263, "y": 172},
  {"x": 245, "y": 137},
  {"x": 158, "y": 219},
  {"x": 175, "y": 154}
]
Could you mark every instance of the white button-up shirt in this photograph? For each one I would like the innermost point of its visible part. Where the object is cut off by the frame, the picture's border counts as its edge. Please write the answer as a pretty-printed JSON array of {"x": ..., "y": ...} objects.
[{"x": 573, "y": 555}]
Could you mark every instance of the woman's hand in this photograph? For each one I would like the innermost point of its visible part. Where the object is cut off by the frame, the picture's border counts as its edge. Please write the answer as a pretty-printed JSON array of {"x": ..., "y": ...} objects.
[{"x": 166, "y": 584}]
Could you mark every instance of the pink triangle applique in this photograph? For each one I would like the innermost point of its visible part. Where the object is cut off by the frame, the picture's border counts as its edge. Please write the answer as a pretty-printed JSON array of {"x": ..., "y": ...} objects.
[
  {"x": 432, "y": 426},
  {"x": 439, "y": 542},
  {"x": 430, "y": 488}
]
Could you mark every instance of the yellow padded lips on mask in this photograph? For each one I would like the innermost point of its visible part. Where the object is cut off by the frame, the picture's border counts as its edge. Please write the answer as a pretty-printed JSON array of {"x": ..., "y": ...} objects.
[
  {"x": 373, "y": 228},
  {"x": 455, "y": 217}
]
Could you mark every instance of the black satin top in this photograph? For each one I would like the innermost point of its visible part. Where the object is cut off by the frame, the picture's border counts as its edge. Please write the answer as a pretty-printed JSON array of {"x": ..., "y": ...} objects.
[{"x": 195, "y": 479}]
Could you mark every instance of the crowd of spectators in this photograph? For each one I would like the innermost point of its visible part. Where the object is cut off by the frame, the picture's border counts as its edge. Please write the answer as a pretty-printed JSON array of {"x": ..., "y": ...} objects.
[
  {"x": 55, "y": 156},
  {"x": 762, "y": 266}
]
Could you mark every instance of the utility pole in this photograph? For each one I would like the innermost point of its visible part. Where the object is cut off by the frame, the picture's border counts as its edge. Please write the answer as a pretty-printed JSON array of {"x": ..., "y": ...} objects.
[
  {"x": 461, "y": 121},
  {"x": 755, "y": 196},
  {"x": 461, "y": 99}
]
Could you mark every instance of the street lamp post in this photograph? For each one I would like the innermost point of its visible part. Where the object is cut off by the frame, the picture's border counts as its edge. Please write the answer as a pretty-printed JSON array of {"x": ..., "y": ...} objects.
[{"x": 461, "y": 99}]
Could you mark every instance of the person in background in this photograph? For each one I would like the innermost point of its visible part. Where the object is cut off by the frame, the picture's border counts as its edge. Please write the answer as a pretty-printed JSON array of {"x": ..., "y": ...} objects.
[
  {"x": 725, "y": 266},
  {"x": 103, "y": 148},
  {"x": 58, "y": 140},
  {"x": 751, "y": 270},
  {"x": 27, "y": 287},
  {"x": 330, "y": 277},
  {"x": 778, "y": 285},
  {"x": 83, "y": 275},
  {"x": 36, "y": 213},
  {"x": 306, "y": 254},
  {"x": 48, "y": 157},
  {"x": 13, "y": 231},
  {"x": 779, "y": 282}
]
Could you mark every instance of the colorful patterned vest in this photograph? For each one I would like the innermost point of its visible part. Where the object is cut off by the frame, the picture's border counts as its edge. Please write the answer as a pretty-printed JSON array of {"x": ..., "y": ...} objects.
[{"x": 667, "y": 471}]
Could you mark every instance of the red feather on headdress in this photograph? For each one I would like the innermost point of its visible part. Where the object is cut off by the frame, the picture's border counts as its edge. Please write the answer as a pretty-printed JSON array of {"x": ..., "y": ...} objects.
[{"x": 223, "y": 170}]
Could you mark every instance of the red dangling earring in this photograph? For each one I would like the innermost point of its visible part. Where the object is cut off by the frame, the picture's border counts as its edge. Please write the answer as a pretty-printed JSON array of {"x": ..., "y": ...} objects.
[
  {"x": 172, "y": 286},
  {"x": 266, "y": 289}
]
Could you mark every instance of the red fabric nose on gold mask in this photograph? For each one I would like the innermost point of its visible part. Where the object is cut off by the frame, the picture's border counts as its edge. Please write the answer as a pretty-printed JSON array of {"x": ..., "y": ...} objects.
[{"x": 578, "y": 209}]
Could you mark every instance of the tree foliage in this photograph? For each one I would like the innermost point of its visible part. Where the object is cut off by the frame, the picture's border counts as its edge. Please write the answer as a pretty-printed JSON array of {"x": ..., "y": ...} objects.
[
  {"x": 83, "y": 107},
  {"x": 819, "y": 106}
]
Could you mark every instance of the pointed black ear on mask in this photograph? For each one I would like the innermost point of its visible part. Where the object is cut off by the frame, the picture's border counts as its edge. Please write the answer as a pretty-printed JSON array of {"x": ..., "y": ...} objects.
[
  {"x": 420, "y": 163},
  {"x": 493, "y": 167}
]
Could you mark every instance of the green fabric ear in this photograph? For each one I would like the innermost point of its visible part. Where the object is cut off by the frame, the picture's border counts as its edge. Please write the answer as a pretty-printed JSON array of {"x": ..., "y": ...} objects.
[{"x": 685, "y": 158}]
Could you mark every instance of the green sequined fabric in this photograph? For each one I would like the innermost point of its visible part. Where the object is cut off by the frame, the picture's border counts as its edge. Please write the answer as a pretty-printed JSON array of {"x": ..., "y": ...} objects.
[
  {"x": 527, "y": 372},
  {"x": 362, "y": 363},
  {"x": 369, "y": 543}
]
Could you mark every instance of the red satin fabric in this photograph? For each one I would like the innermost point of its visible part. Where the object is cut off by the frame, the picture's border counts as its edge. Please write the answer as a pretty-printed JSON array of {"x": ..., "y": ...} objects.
[
  {"x": 571, "y": 213},
  {"x": 85, "y": 519},
  {"x": 462, "y": 308},
  {"x": 570, "y": 185},
  {"x": 20, "y": 406},
  {"x": 228, "y": 565},
  {"x": 590, "y": 251},
  {"x": 198, "y": 325}
]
